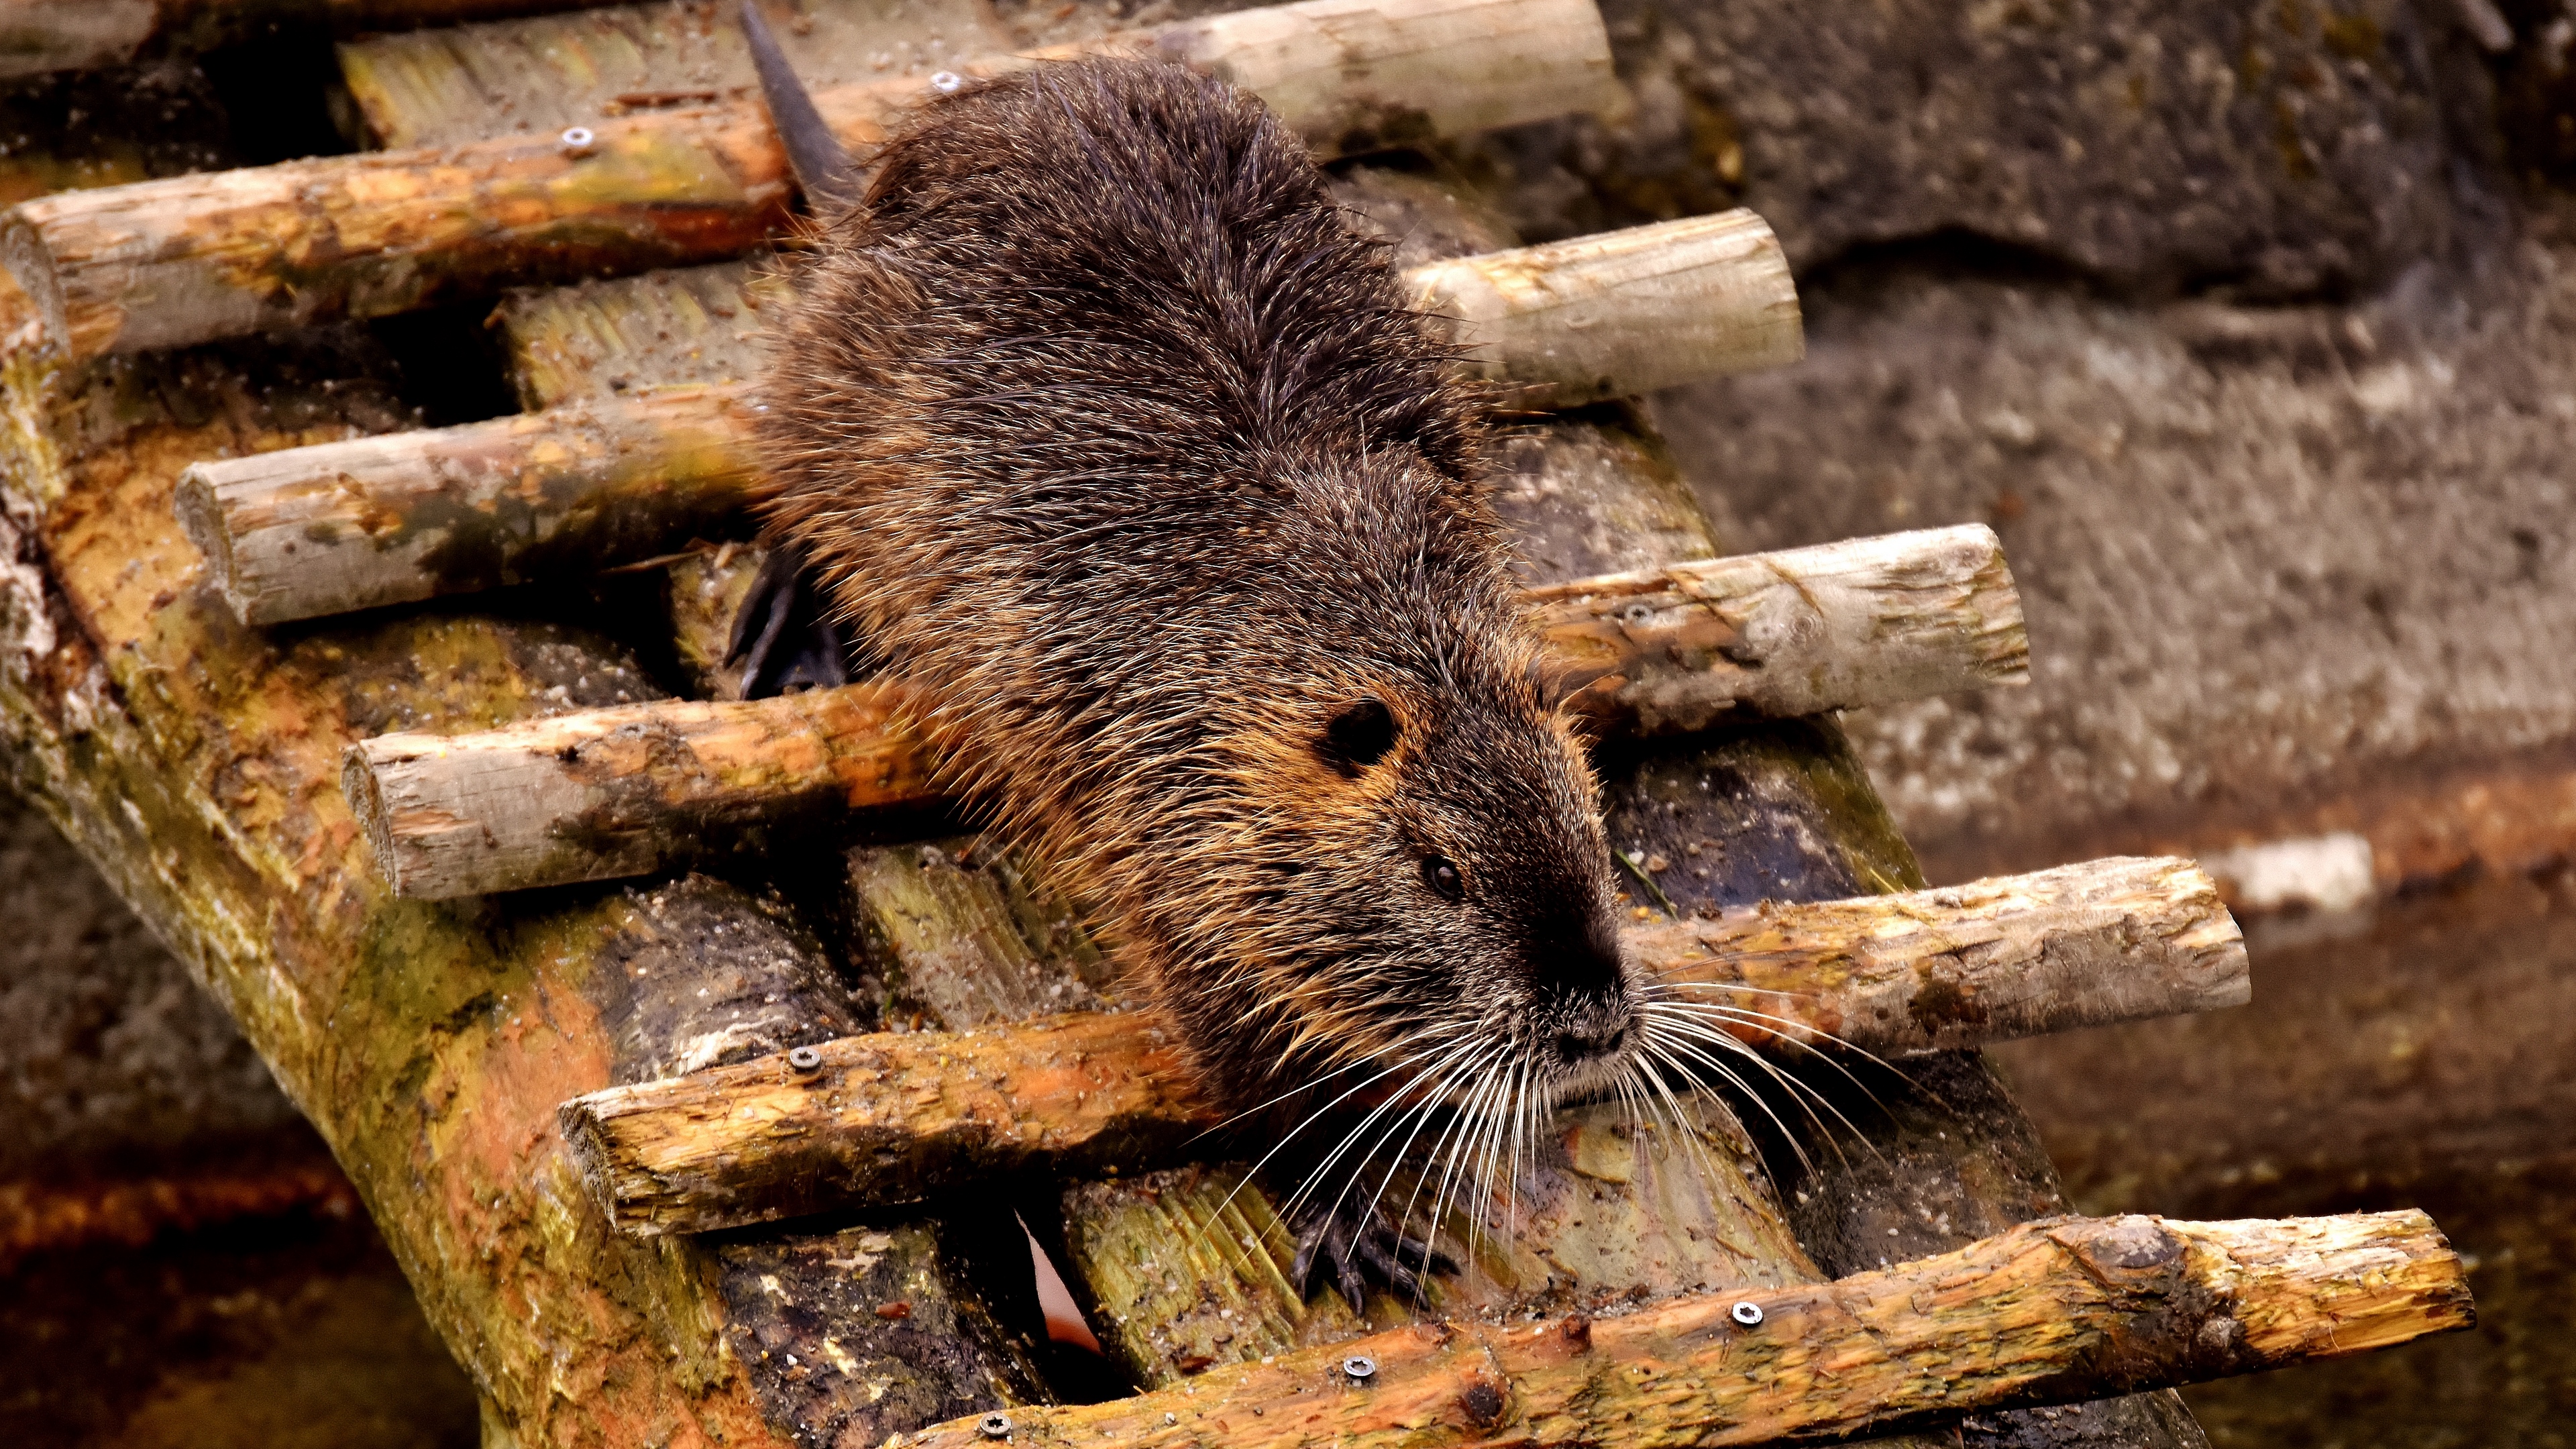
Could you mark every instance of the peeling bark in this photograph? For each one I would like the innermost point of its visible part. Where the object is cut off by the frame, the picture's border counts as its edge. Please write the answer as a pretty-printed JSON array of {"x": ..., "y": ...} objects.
[{"x": 2047, "y": 1313}]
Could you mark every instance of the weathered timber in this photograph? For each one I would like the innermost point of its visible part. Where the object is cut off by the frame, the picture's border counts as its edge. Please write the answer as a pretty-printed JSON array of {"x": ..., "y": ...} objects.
[
  {"x": 2047, "y": 1313},
  {"x": 894, "y": 1117},
  {"x": 1797, "y": 632},
  {"x": 37, "y": 36},
  {"x": 190, "y": 259},
  {"x": 305, "y": 532},
  {"x": 457, "y": 83},
  {"x": 603, "y": 339},
  {"x": 1190, "y": 1265},
  {"x": 618, "y": 793},
  {"x": 1620, "y": 313},
  {"x": 197, "y": 765},
  {"x": 387, "y": 520},
  {"x": 615, "y": 792}
]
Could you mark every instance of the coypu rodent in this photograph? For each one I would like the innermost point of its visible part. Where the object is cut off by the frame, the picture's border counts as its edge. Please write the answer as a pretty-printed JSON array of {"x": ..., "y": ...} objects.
[{"x": 1099, "y": 417}]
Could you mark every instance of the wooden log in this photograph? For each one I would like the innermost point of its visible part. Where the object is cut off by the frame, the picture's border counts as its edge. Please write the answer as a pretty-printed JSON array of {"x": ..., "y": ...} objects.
[
  {"x": 385, "y": 520},
  {"x": 1623, "y": 312},
  {"x": 194, "y": 258},
  {"x": 582, "y": 798},
  {"x": 614, "y": 792},
  {"x": 2050, "y": 1312},
  {"x": 891, "y": 1118},
  {"x": 601, "y": 340},
  {"x": 1797, "y": 632}
]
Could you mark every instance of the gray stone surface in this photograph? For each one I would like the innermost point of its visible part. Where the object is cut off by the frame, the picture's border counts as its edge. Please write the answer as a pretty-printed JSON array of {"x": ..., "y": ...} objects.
[
  {"x": 112, "y": 1062},
  {"x": 2265, "y": 553},
  {"x": 2274, "y": 147}
]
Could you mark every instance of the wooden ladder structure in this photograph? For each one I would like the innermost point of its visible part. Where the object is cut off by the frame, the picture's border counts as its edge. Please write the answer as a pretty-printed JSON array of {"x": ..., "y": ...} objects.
[{"x": 688, "y": 1131}]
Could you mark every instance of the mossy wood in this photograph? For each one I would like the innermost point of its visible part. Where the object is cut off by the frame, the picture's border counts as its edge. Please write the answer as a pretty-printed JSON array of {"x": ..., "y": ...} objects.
[
  {"x": 355, "y": 525},
  {"x": 618, "y": 792},
  {"x": 195, "y": 258},
  {"x": 896, "y": 1117},
  {"x": 196, "y": 764},
  {"x": 2047, "y": 1313}
]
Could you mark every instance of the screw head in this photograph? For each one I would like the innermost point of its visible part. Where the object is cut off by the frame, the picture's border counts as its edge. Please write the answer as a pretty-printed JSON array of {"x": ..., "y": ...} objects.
[
  {"x": 1359, "y": 1367},
  {"x": 1747, "y": 1313},
  {"x": 946, "y": 82},
  {"x": 579, "y": 141},
  {"x": 804, "y": 1058},
  {"x": 995, "y": 1426}
]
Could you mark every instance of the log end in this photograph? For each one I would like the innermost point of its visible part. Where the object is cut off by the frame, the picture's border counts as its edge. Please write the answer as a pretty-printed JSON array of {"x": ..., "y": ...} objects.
[
  {"x": 30, "y": 260},
  {"x": 585, "y": 1142},
  {"x": 199, "y": 506},
  {"x": 365, "y": 791}
]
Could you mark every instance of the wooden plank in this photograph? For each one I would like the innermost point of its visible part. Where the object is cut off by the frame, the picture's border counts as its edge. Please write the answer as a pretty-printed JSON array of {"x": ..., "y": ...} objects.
[
  {"x": 582, "y": 797},
  {"x": 2051, "y": 1312},
  {"x": 890, "y": 1118},
  {"x": 539, "y": 75},
  {"x": 40, "y": 36},
  {"x": 191, "y": 259},
  {"x": 377, "y": 521},
  {"x": 603, "y": 340}
]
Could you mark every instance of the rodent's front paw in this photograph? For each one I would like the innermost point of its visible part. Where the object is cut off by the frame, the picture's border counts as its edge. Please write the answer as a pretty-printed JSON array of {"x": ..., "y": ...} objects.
[{"x": 1354, "y": 1246}]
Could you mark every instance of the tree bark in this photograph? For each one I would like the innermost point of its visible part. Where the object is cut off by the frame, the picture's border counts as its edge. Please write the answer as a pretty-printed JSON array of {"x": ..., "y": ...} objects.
[
  {"x": 2046, "y": 1313},
  {"x": 39, "y": 36},
  {"x": 618, "y": 792},
  {"x": 892, "y": 1118},
  {"x": 339, "y": 527},
  {"x": 345, "y": 526},
  {"x": 1621, "y": 313},
  {"x": 195, "y": 258}
]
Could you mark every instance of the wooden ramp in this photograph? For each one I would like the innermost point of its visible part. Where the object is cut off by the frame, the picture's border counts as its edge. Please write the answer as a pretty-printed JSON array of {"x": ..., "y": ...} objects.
[{"x": 703, "y": 1074}]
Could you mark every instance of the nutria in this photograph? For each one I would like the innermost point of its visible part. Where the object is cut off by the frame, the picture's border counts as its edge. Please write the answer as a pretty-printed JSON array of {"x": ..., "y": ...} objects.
[{"x": 1099, "y": 417}]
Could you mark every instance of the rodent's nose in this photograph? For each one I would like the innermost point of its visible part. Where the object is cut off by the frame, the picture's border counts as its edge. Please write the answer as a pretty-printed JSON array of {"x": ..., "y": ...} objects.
[
  {"x": 1578, "y": 1047},
  {"x": 1579, "y": 958}
]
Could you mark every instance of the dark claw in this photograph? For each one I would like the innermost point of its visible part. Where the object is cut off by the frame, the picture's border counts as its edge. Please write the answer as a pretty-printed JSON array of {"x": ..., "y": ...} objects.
[
  {"x": 785, "y": 637},
  {"x": 1355, "y": 1245}
]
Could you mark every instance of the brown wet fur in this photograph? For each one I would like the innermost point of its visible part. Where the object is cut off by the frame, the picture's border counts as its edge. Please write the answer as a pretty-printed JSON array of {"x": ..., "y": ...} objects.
[{"x": 1101, "y": 418}]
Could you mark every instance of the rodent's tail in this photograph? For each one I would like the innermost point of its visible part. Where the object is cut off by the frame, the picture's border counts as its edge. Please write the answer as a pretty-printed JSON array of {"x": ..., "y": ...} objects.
[{"x": 823, "y": 169}]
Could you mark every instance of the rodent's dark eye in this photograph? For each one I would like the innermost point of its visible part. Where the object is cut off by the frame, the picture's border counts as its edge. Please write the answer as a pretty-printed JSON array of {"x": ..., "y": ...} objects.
[
  {"x": 1441, "y": 874},
  {"x": 1358, "y": 737}
]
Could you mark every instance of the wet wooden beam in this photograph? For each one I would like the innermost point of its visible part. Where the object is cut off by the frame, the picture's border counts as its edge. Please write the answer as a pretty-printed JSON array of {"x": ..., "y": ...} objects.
[
  {"x": 194, "y": 258},
  {"x": 896, "y": 1117},
  {"x": 616, "y": 792},
  {"x": 324, "y": 530},
  {"x": 2051, "y": 1312}
]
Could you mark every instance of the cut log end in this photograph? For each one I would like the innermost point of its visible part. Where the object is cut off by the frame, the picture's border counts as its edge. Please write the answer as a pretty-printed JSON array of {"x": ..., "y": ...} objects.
[{"x": 31, "y": 264}]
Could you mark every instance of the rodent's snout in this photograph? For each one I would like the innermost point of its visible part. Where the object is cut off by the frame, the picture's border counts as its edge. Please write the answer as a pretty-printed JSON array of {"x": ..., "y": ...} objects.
[{"x": 1585, "y": 980}]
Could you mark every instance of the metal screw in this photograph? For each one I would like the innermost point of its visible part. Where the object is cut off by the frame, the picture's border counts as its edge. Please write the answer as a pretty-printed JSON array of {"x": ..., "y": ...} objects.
[
  {"x": 1359, "y": 1366},
  {"x": 995, "y": 1426},
  {"x": 579, "y": 141},
  {"x": 946, "y": 82},
  {"x": 804, "y": 1058},
  {"x": 1747, "y": 1314}
]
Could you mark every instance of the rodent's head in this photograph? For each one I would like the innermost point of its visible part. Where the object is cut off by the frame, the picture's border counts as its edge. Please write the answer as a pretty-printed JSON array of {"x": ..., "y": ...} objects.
[{"x": 1413, "y": 870}]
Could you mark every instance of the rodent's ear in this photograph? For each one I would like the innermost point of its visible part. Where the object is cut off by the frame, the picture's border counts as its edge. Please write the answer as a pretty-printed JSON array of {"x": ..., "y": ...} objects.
[{"x": 1358, "y": 737}]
